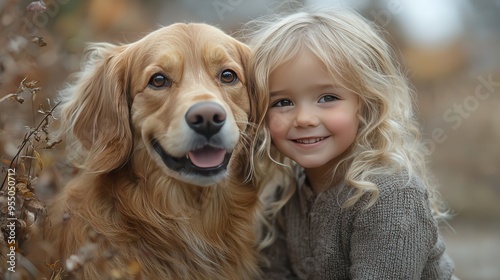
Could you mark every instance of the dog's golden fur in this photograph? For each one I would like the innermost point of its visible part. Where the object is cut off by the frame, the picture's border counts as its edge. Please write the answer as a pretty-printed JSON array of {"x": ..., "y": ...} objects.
[{"x": 169, "y": 224}]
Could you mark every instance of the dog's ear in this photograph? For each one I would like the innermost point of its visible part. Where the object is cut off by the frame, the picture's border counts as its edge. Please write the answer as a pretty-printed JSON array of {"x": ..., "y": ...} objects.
[{"x": 97, "y": 110}]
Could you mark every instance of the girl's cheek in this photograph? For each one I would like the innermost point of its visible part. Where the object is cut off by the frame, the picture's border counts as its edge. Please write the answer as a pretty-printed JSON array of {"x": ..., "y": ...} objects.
[{"x": 277, "y": 123}]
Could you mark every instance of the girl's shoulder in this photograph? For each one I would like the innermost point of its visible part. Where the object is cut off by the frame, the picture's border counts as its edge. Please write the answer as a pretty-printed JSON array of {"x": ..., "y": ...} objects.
[
  {"x": 398, "y": 192},
  {"x": 395, "y": 182}
]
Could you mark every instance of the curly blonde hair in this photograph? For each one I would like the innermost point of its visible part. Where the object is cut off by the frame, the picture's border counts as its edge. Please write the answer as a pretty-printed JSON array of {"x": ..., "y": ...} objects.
[{"x": 360, "y": 60}]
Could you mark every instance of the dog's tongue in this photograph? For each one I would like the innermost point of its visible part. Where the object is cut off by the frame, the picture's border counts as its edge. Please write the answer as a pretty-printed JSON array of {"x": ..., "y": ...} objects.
[{"x": 207, "y": 157}]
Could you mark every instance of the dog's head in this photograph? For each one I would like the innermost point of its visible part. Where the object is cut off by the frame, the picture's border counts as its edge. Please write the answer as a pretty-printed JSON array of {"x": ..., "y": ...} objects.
[{"x": 180, "y": 93}]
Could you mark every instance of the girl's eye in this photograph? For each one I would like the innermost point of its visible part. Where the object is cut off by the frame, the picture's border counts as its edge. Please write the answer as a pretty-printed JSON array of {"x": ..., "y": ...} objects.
[
  {"x": 159, "y": 81},
  {"x": 282, "y": 103},
  {"x": 327, "y": 98},
  {"x": 228, "y": 77}
]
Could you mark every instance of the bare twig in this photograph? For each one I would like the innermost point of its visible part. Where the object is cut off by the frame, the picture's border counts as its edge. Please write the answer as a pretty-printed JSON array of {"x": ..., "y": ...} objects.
[
  {"x": 10, "y": 95},
  {"x": 28, "y": 136}
]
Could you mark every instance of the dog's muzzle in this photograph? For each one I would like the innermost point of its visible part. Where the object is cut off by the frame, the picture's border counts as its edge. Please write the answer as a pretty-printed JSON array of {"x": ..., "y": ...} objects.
[{"x": 208, "y": 157}]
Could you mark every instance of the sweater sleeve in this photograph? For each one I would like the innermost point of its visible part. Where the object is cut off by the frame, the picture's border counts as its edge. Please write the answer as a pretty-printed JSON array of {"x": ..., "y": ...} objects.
[{"x": 393, "y": 239}]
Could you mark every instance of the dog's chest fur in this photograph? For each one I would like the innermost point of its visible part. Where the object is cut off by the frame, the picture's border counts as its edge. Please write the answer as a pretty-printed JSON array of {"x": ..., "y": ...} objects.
[{"x": 168, "y": 230}]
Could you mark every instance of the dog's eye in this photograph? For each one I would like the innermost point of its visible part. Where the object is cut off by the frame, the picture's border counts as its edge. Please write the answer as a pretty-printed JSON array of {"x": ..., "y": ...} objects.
[
  {"x": 159, "y": 81},
  {"x": 228, "y": 77}
]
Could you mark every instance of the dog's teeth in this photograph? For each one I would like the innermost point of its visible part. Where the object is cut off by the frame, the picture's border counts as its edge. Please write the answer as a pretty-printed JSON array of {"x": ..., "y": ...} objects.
[{"x": 187, "y": 156}]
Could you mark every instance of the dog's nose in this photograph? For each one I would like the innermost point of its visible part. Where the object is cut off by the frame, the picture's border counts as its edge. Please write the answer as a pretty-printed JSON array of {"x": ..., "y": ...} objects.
[{"x": 206, "y": 118}]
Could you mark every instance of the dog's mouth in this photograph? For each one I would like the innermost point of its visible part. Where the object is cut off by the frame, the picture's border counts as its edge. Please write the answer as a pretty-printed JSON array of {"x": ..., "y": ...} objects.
[{"x": 205, "y": 161}]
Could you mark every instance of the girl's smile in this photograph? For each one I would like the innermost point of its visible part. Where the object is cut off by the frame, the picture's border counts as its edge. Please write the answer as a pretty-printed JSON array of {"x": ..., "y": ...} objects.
[{"x": 309, "y": 141}]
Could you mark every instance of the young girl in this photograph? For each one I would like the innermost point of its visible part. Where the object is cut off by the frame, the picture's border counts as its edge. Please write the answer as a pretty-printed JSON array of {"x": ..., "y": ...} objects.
[{"x": 339, "y": 107}]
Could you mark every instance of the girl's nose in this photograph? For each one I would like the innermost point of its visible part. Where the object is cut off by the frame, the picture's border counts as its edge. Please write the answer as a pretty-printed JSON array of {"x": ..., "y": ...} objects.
[{"x": 305, "y": 117}]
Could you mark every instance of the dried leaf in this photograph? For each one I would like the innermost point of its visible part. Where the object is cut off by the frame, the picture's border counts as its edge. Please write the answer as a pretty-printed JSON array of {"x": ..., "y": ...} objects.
[
  {"x": 37, "y": 40},
  {"x": 40, "y": 109},
  {"x": 22, "y": 189},
  {"x": 37, "y": 7},
  {"x": 22, "y": 178},
  {"x": 38, "y": 159},
  {"x": 30, "y": 218},
  {"x": 52, "y": 266},
  {"x": 19, "y": 99},
  {"x": 35, "y": 205},
  {"x": 52, "y": 144},
  {"x": 28, "y": 195},
  {"x": 21, "y": 85},
  {"x": 31, "y": 84}
]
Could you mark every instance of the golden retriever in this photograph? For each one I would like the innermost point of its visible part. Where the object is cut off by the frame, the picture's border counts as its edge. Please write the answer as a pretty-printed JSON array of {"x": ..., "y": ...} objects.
[{"x": 161, "y": 129}]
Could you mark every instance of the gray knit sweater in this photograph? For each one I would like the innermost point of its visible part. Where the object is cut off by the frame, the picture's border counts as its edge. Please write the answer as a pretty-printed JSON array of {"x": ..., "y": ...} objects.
[{"x": 396, "y": 238}]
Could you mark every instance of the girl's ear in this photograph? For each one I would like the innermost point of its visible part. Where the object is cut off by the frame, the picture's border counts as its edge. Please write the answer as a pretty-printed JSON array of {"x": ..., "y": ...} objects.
[{"x": 97, "y": 111}]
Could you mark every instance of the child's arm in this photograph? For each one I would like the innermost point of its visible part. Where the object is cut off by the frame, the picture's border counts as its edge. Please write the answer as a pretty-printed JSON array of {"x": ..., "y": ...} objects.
[{"x": 397, "y": 238}]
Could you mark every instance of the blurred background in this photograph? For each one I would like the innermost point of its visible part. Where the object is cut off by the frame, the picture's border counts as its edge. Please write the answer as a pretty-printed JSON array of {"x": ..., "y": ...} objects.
[{"x": 450, "y": 49}]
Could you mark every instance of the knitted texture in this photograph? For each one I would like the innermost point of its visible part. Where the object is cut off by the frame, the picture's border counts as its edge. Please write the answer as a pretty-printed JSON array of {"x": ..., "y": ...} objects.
[{"x": 396, "y": 238}]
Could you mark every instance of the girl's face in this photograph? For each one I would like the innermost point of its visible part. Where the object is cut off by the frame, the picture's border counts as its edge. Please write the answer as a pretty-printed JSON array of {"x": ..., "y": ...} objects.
[{"x": 312, "y": 120}]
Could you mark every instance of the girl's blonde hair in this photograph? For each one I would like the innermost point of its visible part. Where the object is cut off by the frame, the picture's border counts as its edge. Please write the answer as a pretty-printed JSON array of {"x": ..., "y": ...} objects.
[{"x": 358, "y": 59}]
